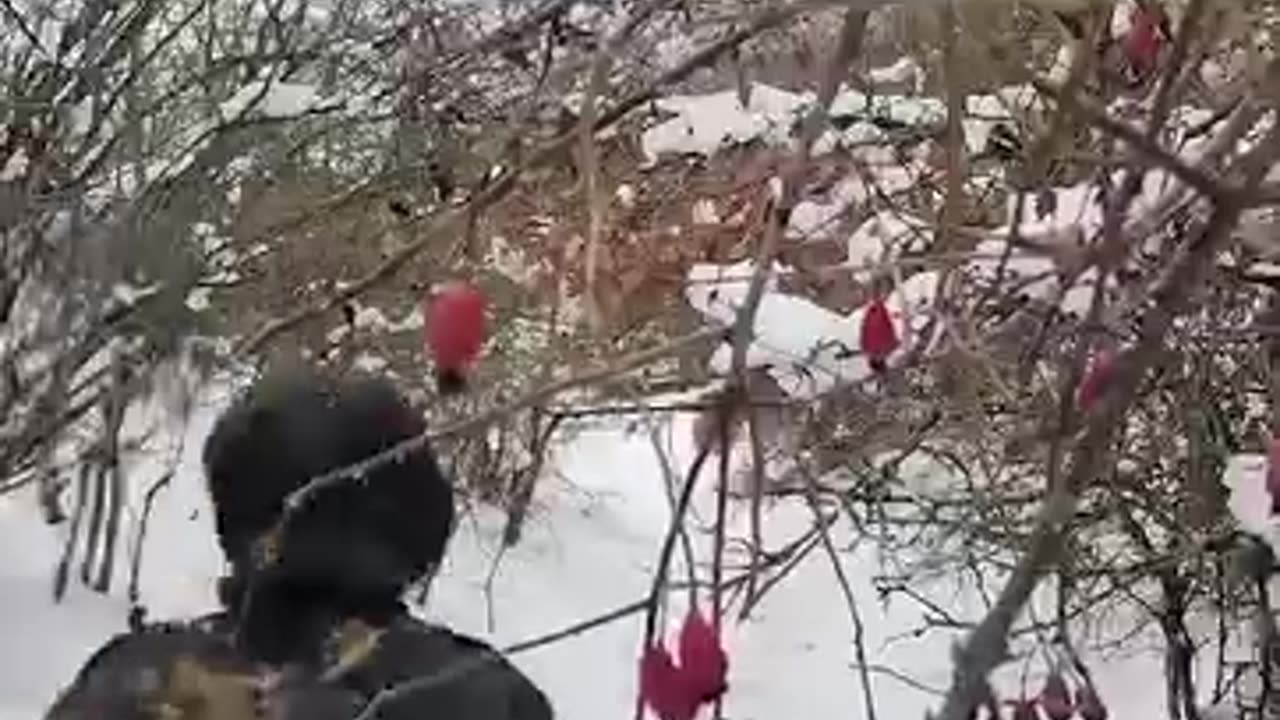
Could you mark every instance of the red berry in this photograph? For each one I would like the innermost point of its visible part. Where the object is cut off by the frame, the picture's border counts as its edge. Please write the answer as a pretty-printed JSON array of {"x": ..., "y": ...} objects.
[
  {"x": 663, "y": 688},
  {"x": 1096, "y": 378},
  {"x": 1145, "y": 39},
  {"x": 1055, "y": 698},
  {"x": 456, "y": 331},
  {"x": 702, "y": 659},
  {"x": 878, "y": 337}
]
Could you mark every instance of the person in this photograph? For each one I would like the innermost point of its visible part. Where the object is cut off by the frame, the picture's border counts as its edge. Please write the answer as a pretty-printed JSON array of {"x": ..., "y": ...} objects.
[{"x": 313, "y": 624}]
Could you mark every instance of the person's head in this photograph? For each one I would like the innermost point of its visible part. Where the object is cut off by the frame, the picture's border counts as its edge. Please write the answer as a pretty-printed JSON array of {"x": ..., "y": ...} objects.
[{"x": 361, "y": 540}]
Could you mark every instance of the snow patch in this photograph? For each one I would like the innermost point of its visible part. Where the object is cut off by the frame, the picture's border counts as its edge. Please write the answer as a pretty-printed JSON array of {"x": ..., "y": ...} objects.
[
  {"x": 905, "y": 71},
  {"x": 807, "y": 349},
  {"x": 279, "y": 100},
  {"x": 705, "y": 123},
  {"x": 1245, "y": 477}
]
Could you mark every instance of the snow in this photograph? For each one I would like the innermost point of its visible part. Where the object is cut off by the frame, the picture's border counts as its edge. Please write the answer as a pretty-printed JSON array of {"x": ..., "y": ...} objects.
[
  {"x": 1249, "y": 502},
  {"x": 589, "y": 548},
  {"x": 1221, "y": 72},
  {"x": 15, "y": 168},
  {"x": 704, "y": 123},
  {"x": 988, "y": 107},
  {"x": 626, "y": 195},
  {"x": 905, "y": 71},
  {"x": 127, "y": 294},
  {"x": 199, "y": 299},
  {"x": 368, "y": 362},
  {"x": 1122, "y": 18},
  {"x": 858, "y": 134},
  {"x": 512, "y": 262},
  {"x": 704, "y": 212},
  {"x": 337, "y": 334},
  {"x": 371, "y": 318},
  {"x": 277, "y": 100},
  {"x": 882, "y": 237},
  {"x": 1062, "y": 62},
  {"x": 815, "y": 217}
]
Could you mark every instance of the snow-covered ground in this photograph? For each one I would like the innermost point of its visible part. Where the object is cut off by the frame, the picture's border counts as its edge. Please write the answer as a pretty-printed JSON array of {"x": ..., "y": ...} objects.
[{"x": 589, "y": 548}]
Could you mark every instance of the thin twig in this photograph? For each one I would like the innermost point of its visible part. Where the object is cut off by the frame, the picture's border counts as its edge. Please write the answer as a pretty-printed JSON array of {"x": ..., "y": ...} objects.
[
  {"x": 797, "y": 553},
  {"x": 674, "y": 407},
  {"x": 135, "y": 562},
  {"x": 669, "y": 484},
  {"x": 114, "y": 407},
  {"x": 490, "y": 617},
  {"x": 63, "y": 572},
  {"x": 851, "y": 602},
  {"x": 724, "y": 420}
]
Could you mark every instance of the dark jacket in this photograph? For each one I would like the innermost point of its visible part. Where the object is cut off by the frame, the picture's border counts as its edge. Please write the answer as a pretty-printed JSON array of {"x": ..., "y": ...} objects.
[{"x": 192, "y": 671}]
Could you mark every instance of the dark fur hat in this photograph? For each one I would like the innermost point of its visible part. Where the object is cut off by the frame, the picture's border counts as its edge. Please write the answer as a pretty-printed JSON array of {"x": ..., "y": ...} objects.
[{"x": 367, "y": 537}]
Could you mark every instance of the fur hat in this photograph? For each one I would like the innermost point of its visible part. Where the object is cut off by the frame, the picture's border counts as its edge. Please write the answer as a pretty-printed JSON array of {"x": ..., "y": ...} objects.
[{"x": 366, "y": 537}]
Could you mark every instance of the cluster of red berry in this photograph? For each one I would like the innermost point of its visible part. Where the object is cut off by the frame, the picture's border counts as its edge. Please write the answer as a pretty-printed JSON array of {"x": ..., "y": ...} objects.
[{"x": 676, "y": 692}]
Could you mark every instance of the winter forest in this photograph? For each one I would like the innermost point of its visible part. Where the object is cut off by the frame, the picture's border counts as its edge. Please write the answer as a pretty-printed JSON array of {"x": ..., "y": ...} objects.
[{"x": 928, "y": 351}]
